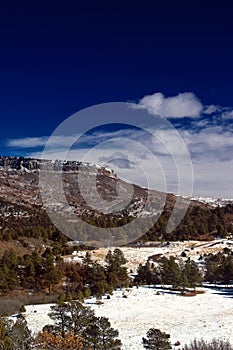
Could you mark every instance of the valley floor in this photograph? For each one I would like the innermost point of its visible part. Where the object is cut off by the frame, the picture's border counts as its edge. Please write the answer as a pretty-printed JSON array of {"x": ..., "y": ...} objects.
[{"x": 205, "y": 315}]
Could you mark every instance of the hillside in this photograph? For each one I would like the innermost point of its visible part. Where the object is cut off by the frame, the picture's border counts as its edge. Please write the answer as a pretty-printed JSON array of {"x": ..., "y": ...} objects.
[{"x": 22, "y": 213}]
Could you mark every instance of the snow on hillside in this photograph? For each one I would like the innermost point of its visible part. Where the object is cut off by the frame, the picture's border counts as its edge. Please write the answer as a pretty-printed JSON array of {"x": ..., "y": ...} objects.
[
  {"x": 205, "y": 315},
  {"x": 214, "y": 202},
  {"x": 135, "y": 256}
]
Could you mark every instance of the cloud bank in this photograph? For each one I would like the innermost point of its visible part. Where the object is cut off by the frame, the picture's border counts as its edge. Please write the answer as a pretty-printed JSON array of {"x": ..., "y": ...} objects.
[{"x": 207, "y": 131}]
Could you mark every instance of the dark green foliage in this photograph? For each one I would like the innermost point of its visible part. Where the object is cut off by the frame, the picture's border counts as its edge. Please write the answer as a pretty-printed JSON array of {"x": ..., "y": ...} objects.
[
  {"x": 190, "y": 274},
  {"x": 101, "y": 336},
  {"x": 219, "y": 268},
  {"x": 116, "y": 273},
  {"x": 51, "y": 274},
  {"x": 156, "y": 340},
  {"x": 73, "y": 317},
  {"x": 22, "y": 309},
  {"x": 30, "y": 271},
  {"x": 9, "y": 271},
  {"x": 147, "y": 274},
  {"x": 198, "y": 223},
  {"x": 169, "y": 272}
]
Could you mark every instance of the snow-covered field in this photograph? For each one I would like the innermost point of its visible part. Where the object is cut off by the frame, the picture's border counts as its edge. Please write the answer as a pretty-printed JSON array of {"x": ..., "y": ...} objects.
[{"x": 205, "y": 315}]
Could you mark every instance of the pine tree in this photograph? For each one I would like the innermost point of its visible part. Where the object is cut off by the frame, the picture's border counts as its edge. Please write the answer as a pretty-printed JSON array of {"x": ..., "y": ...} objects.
[
  {"x": 79, "y": 317},
  {"x": 212, "y": 274},
  {"x": 192, "y": 273},
  {"x": 80, "y": 321},
  {"x": 227, "y": 269},
  {"x": 169, "y": 271},
  {"x": 156, "y": 340},
  {"x": 59, "y": 315},
  {"x": 51, "y": 273},
  {"x": 115, "y": 270},
  {"x": 100, "y": 335}
]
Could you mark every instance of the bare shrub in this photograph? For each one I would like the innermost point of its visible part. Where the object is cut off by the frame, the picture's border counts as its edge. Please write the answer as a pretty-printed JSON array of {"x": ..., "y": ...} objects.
[
  {"x": 214, "y": 344},
  {"x": 11, "y": 303}
]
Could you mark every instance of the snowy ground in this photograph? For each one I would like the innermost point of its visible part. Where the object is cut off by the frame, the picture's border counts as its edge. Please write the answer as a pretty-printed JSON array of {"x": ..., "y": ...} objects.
[
  {"x": 135, "y": 256},
  {"x": 205, "y": 315}
]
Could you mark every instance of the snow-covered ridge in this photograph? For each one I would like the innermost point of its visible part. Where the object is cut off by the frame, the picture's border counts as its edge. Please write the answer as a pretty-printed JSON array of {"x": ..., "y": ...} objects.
[
  {"x": 214, "y": 202},
  {"x": 29, "y": 165}
]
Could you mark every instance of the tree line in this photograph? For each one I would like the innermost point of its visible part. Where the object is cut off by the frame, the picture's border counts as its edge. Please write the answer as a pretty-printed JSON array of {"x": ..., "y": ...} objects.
[
  {"x": 200, "y": 222},
  {"x": 44, "y": 272},
  {"x": 216, "y": 268},
  {"x": 167, "y": 271}
]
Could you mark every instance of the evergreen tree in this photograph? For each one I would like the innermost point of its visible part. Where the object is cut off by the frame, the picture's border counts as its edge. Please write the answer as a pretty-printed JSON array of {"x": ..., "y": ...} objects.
[
  {"x": 101, "y": 336},
  {"x": 37, "y": 261},
  {"x": 156, "y": 340},
  {"x": 9, "y": 263},
  {"x": 3, "y": 282},
  {"x": 80, "y": 321},
  {"x": 214, "y": 344},
  {"x": 212, "y": 274},
  {"x": 169, "y": 271},
  {"x": 227, "y": 269},
  {"x": 147, "y": 274},
  {"x": 115, "y": 270},
  {"x": 51, "y": 273},
  {"x": 59, "y": 315},
  {"x": 78, "y": 317},
  {"x": 192, "y": 273}
]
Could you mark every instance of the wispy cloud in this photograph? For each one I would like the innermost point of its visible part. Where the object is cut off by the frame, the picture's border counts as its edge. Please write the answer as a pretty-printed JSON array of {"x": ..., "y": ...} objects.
[
  {"x": 228, "y": 114},
  {"x": 27, "y": 142},
  {"x": 119, "y": 159},
  {"x": 35, "y": 142},
  {"x": 210, "y": 109}
]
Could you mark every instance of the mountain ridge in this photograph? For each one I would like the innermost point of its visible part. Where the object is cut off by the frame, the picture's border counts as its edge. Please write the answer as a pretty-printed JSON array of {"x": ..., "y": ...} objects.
[{"x": 21, "y": 203}]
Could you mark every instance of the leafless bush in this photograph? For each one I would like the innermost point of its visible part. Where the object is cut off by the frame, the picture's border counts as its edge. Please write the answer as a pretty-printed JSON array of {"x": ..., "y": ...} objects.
[
  {"x": 214, "y": 344},
  {"x": 11, "y": 304}
]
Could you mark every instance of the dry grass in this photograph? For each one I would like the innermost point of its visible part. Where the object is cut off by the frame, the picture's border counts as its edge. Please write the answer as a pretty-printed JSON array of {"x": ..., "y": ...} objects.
[{"x": 11, "y": 303}]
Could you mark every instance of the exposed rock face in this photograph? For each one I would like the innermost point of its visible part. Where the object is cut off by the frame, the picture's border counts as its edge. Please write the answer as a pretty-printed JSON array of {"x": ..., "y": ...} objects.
[{"x": 19, "y": 178}]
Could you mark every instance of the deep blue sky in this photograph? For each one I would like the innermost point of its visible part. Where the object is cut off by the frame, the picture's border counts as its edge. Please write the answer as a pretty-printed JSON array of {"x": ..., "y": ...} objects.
[{"x": 58, "y": 57}]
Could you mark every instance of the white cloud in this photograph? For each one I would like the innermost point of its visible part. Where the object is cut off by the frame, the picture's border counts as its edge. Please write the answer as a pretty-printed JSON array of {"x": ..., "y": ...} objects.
[
  {"x": 182, "y": 105},
  {"x": 227, "y": 114},
  {"x": 33, "y": 142},
  {"x": 27, "y": 142},
  {"x": 210, "y": 109},
  {"x": 210, "y": 144},
  {"x": 119, "y": 159}
]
